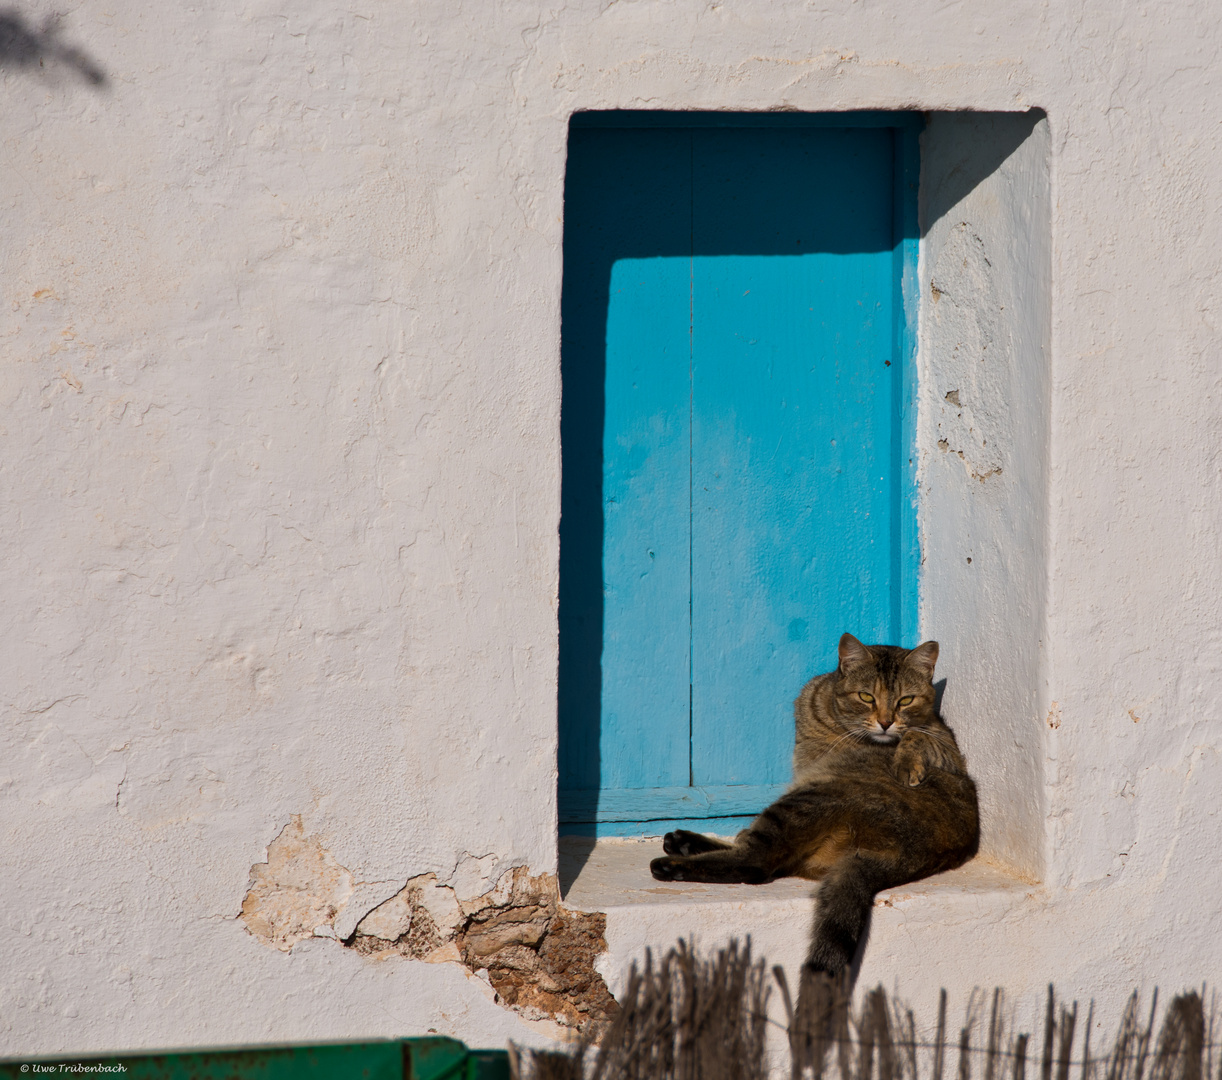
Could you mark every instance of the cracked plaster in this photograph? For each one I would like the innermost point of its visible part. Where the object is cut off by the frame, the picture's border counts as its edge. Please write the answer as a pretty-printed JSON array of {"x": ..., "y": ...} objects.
[
  {"x": 538, "y": 958},
  {"x": 280, "y": 331}
]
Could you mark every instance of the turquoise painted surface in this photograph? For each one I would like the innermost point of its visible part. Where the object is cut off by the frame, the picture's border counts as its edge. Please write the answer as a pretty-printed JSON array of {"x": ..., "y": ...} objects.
[
  {"x": 791, "y": 452},
  {"x": 736, "y": 483},
  {"x": 625, "y": 426},
  {"x": 653, "y": 804},
  {"x": 718, "y": 826},
  {"x": 646, "y": 537}
]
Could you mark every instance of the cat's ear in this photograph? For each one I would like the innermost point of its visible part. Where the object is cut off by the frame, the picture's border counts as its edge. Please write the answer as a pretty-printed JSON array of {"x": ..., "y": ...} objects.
[
  {"x": 853, "y": 652},
  {"x": 923, "y": 658}
]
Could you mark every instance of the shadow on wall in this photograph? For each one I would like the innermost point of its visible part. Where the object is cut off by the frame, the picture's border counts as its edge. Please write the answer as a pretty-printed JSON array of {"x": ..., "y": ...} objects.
[
  {"x": 971, "y": 158},
  {"x": 22, "y": 46}
]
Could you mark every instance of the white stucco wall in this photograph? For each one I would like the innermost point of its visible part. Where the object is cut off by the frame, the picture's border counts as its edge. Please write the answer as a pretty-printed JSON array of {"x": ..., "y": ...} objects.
[
  {"x": 982, "y": 446},
  {"x": 279, "y": 467}
]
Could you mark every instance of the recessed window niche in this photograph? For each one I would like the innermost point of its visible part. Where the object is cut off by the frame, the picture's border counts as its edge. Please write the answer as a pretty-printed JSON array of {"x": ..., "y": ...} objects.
[
  {"x": 983, "y": 454},
  {"x": 769, "y": 320}
]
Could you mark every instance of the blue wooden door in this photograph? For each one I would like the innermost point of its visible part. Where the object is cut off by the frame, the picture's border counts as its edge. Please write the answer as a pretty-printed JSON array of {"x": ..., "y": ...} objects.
[{"x": 737, "y": 485}]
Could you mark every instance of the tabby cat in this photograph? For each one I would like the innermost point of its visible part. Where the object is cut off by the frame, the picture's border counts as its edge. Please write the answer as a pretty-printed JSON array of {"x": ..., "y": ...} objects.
[{"x": 880, "y": 797}]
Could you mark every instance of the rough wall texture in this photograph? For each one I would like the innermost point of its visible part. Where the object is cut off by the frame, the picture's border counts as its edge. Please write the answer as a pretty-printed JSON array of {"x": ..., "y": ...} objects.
[
  {"x": 280, "y": 473},
  {"x": 536, "y": 955},
  {"x": 983, "y": 368}
]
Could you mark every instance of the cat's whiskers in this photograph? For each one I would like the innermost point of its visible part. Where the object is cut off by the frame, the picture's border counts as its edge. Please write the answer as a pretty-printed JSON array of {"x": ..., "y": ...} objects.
[
  {"x": 838, "y": 740},
  {"x": 941, "y": 736},
  {"x": 850, "y": 733}
]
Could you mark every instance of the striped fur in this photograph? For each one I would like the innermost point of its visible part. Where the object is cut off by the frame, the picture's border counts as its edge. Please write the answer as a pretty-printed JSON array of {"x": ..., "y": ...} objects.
[{"x": 881, "y": 797}]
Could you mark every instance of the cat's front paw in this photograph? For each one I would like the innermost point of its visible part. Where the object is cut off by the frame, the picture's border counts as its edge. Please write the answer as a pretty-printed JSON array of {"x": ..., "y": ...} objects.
[
  {"x": 667, "y": 869},
  {"x": 909, "y": 769}
]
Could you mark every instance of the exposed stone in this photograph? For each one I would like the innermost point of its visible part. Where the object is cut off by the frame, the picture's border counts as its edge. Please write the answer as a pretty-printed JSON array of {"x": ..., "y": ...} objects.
[
  {"x": 298, "y": 890},
  {"x": 439, "y": 901},
  {"x": 445, "y": 954},
  {"x": 537, "y": 956},
  {"x": 509, "y": 926},
  {"x": 423, "y": 937},
  {"x": 391, "y": 919},
  {"x": 518, "y": 938},
  {"x": 515, "y": 958}
]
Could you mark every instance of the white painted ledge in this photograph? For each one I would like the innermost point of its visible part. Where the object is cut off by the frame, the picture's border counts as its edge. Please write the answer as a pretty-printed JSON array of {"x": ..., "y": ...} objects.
[
  {"x": 612, "y": 876},
  {"x": 599, "y": 874}
]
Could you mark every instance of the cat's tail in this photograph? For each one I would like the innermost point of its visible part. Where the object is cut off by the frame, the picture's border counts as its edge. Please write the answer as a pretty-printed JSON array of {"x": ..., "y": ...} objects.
[{"x": 843, "y": 909}]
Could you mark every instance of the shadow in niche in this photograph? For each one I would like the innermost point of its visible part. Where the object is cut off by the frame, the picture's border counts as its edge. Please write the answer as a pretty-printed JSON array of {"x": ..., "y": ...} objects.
[
  {"x": 575, "y": 852},
  {"x": 615, "y": 210},
  {"x": 629, "y": 195},
  {"x": 939, "y": 692},
  {"x": 968, "y": 148},
  {"x": 23, "y": 46}
]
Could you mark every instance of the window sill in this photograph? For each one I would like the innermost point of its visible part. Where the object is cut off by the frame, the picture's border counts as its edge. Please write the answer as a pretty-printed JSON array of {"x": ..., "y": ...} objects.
[
  {"x": 941, "y": 931},
  {"x": 596, "y": 875}
]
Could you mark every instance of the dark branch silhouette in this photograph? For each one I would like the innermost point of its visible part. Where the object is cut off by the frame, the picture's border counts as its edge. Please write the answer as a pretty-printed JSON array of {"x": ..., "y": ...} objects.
[{"x": 22, "y": 46}]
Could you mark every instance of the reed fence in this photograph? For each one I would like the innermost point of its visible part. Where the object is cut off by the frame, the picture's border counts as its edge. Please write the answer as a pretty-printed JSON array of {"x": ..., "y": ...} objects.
[{"x": 690, "y": 1017}]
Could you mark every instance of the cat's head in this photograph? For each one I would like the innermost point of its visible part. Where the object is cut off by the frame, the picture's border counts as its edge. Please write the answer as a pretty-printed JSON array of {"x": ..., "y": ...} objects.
[{"x": 882, "y": 690}]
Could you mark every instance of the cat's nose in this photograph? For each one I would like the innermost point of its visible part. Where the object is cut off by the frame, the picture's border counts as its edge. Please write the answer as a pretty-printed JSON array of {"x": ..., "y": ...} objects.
[{"x": 885, "y": 722}]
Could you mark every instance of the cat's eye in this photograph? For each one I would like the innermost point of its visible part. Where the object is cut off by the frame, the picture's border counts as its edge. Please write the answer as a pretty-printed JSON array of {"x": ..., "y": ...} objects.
[
  {"x": 867, "y": 698},
  {"x": 907, "y": 700}
]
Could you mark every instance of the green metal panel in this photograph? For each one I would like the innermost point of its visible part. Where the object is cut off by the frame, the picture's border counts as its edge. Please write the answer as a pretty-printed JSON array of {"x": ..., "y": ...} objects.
[
  {"x": 408, "y": 1059},
  {"x": 448, "y": 1059}
]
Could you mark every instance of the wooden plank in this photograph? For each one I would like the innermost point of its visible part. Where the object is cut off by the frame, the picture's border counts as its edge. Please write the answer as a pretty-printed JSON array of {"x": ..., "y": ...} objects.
[
  {"x": 651, "y": 804},
  {"x": 646, "y": 548},
  {"x": 624, "y": 666},
  {"x": 721, "y": 826},
  {"x": 772, "y": 258},
  {"x": 793, "y": 390}
]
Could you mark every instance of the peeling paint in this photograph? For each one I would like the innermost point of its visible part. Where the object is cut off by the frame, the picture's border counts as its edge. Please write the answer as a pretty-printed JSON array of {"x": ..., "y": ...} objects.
[
  {"x": 969, "y": 322},
  {"x": 299, "y": 889},
  {"x": 313, "y": 260},
  {"x": 390, "y": 920},
  {"x": 983, "y": 453},
  {"x": 538, "y": 957}
]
